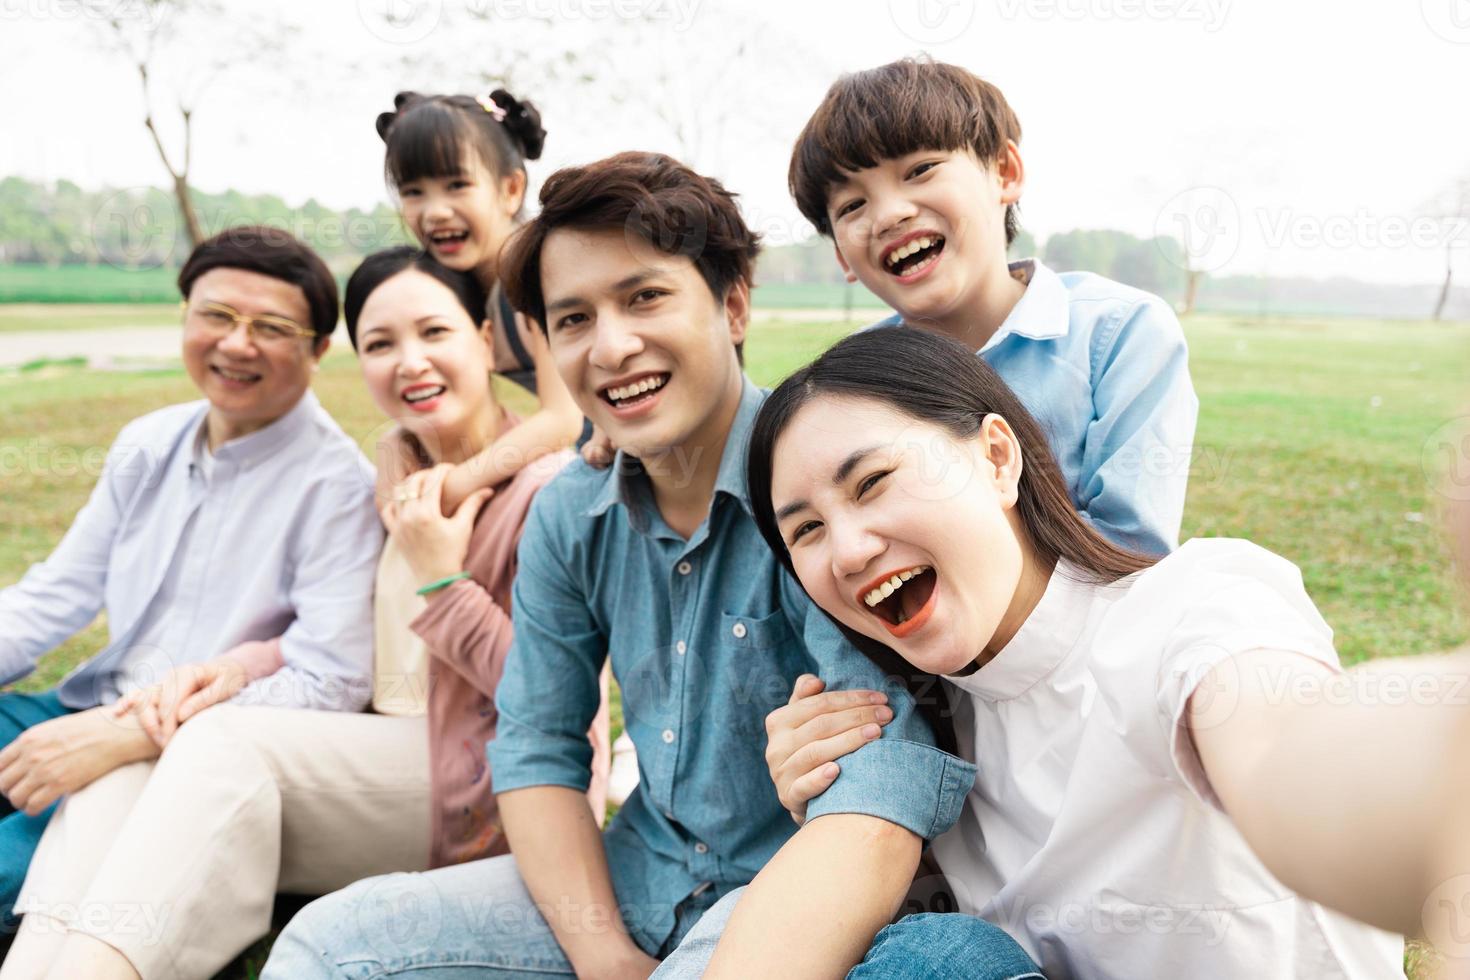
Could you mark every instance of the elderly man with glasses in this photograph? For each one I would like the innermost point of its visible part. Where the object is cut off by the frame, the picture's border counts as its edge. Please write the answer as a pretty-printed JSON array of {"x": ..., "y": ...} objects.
[{"x": 217, "y": 527}]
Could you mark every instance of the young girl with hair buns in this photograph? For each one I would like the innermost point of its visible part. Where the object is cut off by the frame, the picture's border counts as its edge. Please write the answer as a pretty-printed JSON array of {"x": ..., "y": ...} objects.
[{"x": 457, "y": 165}]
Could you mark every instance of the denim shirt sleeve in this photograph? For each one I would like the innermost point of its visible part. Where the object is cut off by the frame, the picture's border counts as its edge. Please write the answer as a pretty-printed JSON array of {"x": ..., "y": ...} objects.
[
  {"x": 901, "y": 777},
  {"x": 550, "y": 691},
  {"x": 1135, "y": 463}
]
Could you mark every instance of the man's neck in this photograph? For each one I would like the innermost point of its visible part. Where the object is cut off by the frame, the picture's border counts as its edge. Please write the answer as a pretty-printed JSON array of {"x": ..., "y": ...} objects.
[
  {"x": 683, "y": 477},
  {"x": 220, "y": 429},
  {"x": 975, "y": 321}
]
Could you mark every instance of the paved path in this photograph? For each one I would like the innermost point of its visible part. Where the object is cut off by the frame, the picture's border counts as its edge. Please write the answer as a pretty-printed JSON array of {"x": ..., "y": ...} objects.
[{"x": 116, "y": 347}]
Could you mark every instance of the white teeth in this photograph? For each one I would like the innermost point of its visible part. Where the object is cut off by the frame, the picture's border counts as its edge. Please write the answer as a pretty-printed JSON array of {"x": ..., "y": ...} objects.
[
  {"x": 424, "y": 394},
  {"x": 636, "y": 388},
  {"x": 236, "y": 375},
  {"x": 892, "y": 585},
  {"x": 903, "y": 252}
]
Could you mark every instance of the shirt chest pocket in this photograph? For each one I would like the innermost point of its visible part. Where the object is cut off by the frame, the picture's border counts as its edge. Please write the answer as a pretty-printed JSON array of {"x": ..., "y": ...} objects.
[{"x": 765, "y": 659}]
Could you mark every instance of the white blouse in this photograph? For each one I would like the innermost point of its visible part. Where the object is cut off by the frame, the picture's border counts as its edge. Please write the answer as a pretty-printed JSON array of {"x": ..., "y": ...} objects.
[{"x": 1092, "y": 835}]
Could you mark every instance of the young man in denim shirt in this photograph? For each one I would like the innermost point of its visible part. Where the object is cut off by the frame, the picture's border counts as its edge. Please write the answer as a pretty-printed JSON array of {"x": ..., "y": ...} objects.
[{"x": 640, "y": 271}]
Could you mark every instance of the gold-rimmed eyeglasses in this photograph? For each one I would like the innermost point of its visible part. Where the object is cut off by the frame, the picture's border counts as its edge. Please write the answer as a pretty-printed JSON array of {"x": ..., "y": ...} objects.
[{"x": 220, "y": 320}]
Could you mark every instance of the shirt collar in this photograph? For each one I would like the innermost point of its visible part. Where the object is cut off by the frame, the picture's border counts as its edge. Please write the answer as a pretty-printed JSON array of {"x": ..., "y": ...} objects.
[
  {"x": 1042, "y": 313},
  {"x": 1043, "y": 641},
  {"x": 628, "y": 485},
  {"x": 269, "y": 440}
]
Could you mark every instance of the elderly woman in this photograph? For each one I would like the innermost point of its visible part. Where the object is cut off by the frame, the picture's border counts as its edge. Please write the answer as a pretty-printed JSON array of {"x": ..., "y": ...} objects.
[{"x": 240, "y": 518}]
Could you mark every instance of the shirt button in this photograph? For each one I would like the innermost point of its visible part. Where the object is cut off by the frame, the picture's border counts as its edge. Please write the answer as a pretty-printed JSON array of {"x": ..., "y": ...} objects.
[
  {"x": 681, "y": 648},
  {"x": 739, "y": 631},
  {"x": 685, "y": 568},
  {"x": 668, "y": 736},
  {"x": 701, "y": 848}
]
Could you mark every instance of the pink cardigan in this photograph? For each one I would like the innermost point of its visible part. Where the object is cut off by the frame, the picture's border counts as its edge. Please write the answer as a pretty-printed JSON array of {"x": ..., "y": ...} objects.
[{"x": 467, "y": 630}]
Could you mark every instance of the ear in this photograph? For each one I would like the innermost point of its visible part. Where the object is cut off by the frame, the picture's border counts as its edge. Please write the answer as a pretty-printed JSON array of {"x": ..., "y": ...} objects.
[
  {"x": 513, "y": 191},
  {"x": 487, "y": 334},
  {"x": 319, "y": 349},
  {"x": 846, "y": 269},
  {"x": 1012, "y": 173},
  {"x": 737, "y": 310},
  {"x": 1002, "y": 458}
]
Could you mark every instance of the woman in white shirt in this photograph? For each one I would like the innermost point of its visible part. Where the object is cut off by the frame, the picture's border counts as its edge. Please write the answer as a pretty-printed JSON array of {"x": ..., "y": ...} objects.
[{"x": 1176, "y": 778}]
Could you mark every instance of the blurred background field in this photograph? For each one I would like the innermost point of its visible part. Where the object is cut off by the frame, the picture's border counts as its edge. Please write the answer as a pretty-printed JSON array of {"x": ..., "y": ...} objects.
[{"x": 1325, "y": 440}]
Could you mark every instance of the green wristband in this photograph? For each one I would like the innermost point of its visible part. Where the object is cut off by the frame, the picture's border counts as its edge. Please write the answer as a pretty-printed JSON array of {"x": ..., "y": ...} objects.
[{"x": 446, "y": 580}]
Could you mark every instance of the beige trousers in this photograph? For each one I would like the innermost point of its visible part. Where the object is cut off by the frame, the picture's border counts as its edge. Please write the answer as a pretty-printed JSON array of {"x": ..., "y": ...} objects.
[{"x": 176, "y": 864}]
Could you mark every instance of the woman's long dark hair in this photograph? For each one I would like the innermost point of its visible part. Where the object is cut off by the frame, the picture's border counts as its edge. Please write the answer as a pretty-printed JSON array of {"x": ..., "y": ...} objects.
[{"x": 936, "y": 380}]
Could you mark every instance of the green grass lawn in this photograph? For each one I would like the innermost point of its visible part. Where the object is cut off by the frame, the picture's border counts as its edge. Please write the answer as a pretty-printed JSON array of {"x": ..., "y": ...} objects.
[
  {"x": 87, "y": 284},
  {"x": 1312, "y": 442}
]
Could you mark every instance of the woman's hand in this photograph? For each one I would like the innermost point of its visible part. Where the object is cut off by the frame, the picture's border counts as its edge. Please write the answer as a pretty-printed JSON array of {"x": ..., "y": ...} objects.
[
  {"x": 807, "y": 737},
  {"x": 435, "y": 546},
  {"x": 181, "y": 695}
]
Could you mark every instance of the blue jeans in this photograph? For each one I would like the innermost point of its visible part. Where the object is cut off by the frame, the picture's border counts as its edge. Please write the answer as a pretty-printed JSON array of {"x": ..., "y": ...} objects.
[
  {"x": 931, "y": 945},
  {"x": 478, "y": 921},
  {"x": 20, "y": 834},
  {"x": 467, "y": 920}
]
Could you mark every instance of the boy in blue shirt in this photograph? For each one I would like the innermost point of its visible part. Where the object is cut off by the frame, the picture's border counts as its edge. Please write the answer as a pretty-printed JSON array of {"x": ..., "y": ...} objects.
[{"x": 913, "y": 170}]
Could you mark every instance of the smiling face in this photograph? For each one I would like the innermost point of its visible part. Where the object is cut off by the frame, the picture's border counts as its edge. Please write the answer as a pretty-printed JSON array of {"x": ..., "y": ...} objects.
[
  {"x": 463, "y": 219},
  {"x": 925, "y": 231},
  {"x": 902, "y": 532},
  {"x": 428, "y": 363},
  {"x": 645, "y": 348},
  {"x": 250, "y": 381}
]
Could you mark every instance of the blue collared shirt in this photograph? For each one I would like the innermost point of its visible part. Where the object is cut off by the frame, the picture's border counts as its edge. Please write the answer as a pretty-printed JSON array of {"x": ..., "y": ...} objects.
[
  {"x": 1105, "y": 370},
  {"x": 707, "y": 636},
  {"x": 282, "y": 539}
]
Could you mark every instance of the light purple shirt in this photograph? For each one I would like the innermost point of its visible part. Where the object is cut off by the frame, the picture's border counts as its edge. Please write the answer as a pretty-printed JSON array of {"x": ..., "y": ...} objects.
[{"x": 281, "y": 538}]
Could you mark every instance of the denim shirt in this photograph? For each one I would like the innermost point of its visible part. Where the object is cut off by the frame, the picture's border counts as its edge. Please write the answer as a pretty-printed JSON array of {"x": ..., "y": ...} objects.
[
  {"x": 707, "y": 636},
  {"x": 1104, "y": 368}
]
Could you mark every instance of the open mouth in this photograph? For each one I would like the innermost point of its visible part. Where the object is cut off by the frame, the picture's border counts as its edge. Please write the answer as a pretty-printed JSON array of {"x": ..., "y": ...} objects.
[
  {"x": 634, "y": 392},
  {"x": 416, "y": 396},
  {"x": 448, "y": 240},
  {"x": 235, "y": 377},
  {"x": 913, "y": 256},
  {"x": 900, "y": 598}
]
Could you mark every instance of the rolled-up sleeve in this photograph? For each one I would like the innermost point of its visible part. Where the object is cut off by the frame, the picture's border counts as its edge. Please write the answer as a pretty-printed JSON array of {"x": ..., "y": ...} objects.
[
  {"x": 550, "y": 691},
  {"x": 1136, "y": 461},
  {"x": 901, "y": 777}
]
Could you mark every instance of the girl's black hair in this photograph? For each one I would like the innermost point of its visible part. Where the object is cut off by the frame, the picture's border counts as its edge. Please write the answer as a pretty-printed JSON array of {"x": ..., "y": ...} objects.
[
  {"x": 379, "y": 267},
  {"x": 427, "y": 135},
  {"x": 934, "y": 379}
]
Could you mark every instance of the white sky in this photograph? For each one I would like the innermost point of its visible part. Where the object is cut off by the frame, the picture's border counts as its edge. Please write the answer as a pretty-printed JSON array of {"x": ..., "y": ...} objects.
[{"x": 1324, "y": 127}]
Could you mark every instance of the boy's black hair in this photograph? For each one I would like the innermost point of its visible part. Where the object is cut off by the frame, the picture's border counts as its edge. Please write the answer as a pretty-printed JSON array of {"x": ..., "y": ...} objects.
[{"x": 893, "y": 110}]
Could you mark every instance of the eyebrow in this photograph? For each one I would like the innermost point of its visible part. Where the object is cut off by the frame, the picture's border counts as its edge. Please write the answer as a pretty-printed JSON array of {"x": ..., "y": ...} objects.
[
  {"x": 625, "y": 283},
  {"x": 219, "y": 302},
  {"x": 839, "y": 477}
]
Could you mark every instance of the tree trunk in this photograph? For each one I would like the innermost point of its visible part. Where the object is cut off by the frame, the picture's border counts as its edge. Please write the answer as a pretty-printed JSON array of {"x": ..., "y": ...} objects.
[
  {"x": 1191, "y": 291},
  {"x": 187, "y": 212},
  {"x": 1444, "y": 291}
]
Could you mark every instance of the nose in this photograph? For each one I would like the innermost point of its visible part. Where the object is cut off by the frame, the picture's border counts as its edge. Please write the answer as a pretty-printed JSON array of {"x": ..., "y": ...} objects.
[
  {"x": 411, "y": 360},
  {"x": 889, "y": 210},
  {"x": 436, "y": 207},
  {"x": 614, "y": 341},
  {"x": 238, "y": 342},
  {"x": 854, "y": 547}
]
